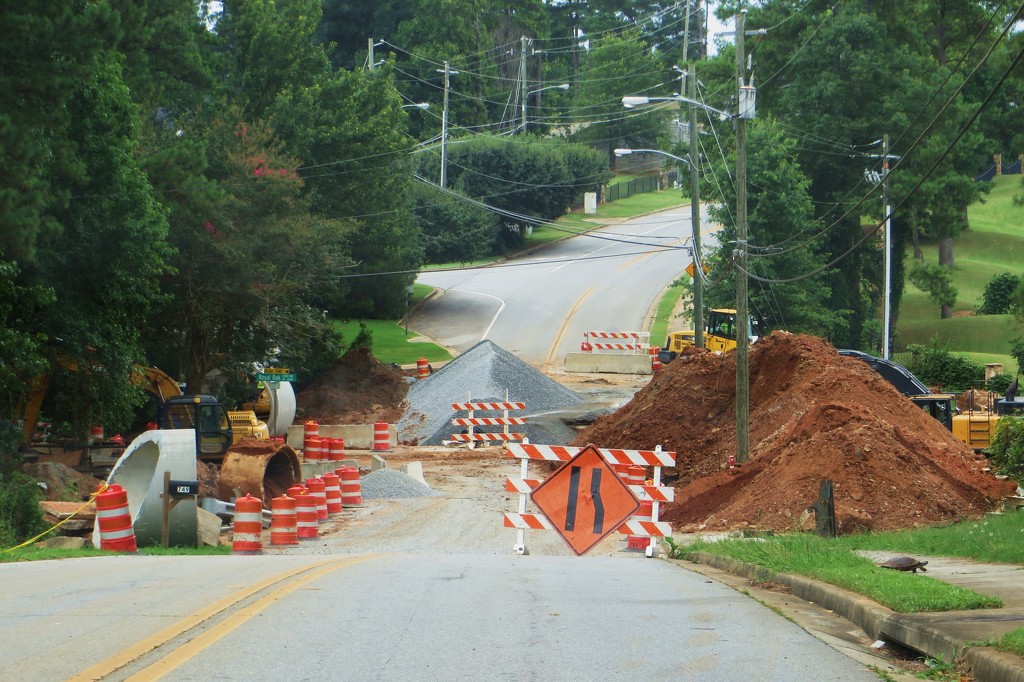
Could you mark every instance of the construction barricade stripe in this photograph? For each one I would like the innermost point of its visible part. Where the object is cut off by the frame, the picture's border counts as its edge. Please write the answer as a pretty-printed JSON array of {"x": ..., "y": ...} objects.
[
  {"x": 563, "y": 453},
  {"x": 618, "y": 335},
  {"x": 488, "y": 406},
  {"x": 650, "y": 529},
  {"x": 652, "y": 493},
  {"x": 527, "y": 521},
  {"x": 619, "y": 346},
  {"x": 474, "y": 437},
  {"x": 521, "y": 485},
  {"x": 489, "y": 421}
]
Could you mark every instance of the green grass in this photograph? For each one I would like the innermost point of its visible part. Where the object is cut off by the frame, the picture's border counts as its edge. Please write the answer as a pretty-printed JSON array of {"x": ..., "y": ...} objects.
[
  {"x": 829, "y": 562},
  {"x": 1012, "y": 642},
  {"x": 663, "y": 316},
  {"x": 997, "y": 538},
  {"x": 33, "y": 553},
  {"x": 993, "y": 245},
  {"x": 391, "y": 343}
]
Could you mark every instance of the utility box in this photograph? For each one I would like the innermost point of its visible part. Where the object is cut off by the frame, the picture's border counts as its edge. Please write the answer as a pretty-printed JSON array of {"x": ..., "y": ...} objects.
[{"x": 590, "y": 203}]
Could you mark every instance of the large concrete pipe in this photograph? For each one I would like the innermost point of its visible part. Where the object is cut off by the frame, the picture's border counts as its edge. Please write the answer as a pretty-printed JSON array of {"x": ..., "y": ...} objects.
[
  {"x": 140, "y": 471},
  {"x": 260, "y": 468}
]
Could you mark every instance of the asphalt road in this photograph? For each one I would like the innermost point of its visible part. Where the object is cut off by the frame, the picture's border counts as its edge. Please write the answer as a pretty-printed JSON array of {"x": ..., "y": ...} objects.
[
  {"x": 538, "y": 306},
  {"x": 396, "y": 617},
  {"x": 417, "y": 588}
]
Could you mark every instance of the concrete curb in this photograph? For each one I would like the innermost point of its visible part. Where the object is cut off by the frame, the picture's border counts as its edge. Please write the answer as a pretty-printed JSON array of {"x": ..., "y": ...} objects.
[{"x": 879, "y": 622}]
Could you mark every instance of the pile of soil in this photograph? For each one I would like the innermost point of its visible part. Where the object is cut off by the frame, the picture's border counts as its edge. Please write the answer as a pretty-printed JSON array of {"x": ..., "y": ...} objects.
[
  {"x": 359, "y": 389},
  {"x": 813, "y": 415},
  {"x": 62, "y": 482}
]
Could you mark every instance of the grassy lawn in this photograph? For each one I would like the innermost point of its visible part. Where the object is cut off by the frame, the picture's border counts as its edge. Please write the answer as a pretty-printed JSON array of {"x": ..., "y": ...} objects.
[
  {"x": 391, "y": 343},
  {"x": 996, "y": 538},
  {"x": 663, "y": 316},
  {"x": 995, "y": 244}
]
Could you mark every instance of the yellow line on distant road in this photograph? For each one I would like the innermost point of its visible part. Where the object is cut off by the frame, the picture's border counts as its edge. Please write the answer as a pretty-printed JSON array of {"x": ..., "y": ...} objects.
[
  {"x": 565, "y": 323},
  {"x": 193, "y": 647}
]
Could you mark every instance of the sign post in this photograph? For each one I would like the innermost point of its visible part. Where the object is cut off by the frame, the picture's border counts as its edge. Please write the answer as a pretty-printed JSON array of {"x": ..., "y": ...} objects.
[{"x": 173, "y": 493}]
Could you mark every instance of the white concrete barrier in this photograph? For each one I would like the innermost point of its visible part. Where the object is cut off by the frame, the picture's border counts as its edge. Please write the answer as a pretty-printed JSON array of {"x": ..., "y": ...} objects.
[
  {"x": 608, "y": 363},
  {"x": 357, "y": 436}
]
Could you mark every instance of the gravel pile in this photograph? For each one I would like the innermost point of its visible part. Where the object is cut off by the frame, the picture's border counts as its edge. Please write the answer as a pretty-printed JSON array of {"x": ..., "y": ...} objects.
[
  {"x": 486, "y": 373},
  {"x": 389, "y": 484}
]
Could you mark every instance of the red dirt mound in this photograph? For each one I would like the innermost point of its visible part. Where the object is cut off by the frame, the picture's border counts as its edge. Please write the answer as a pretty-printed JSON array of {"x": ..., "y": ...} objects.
[
  {"x": 813, "y": 415},
  {"x": 359, "y": 389}
]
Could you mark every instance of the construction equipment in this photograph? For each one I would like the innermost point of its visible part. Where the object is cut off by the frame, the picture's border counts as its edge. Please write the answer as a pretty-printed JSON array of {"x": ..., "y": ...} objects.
[
  {"x": 216, "y": 427},
  {"x": 940, "y": 406},
  {"x": 719, "y": 335},
  {"x": 973, "y": 428}
]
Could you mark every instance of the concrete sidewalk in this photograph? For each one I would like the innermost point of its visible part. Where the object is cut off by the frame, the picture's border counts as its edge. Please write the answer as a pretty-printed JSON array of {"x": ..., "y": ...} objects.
[{"x": 946, "y": 635}]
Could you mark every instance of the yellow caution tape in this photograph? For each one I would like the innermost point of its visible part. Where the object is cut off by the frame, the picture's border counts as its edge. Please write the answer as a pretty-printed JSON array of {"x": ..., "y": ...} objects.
[{"x": 92, "y": 498}]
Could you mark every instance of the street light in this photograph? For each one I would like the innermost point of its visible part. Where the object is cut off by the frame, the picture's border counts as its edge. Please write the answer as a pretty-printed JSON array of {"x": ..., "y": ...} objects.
[
  {"x": 418, "y": 105},
  {"x": 630, "y": 102},
  {"x": 746, "y": 96},
  {"x": 522, "y": 112},
  {"x": 627, "y": 152},
  {"x": 698, "y": 264}
]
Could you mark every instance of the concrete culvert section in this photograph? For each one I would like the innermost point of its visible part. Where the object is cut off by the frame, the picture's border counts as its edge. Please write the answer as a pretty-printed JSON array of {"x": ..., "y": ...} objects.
[
  {"x": 260, "y": 468},
  {"x": 486, "y": 373},
  {"x": 140, "y": 471}
]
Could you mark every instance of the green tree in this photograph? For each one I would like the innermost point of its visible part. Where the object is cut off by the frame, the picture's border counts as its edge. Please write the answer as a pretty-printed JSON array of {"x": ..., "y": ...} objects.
[
  {"x": 996, "y": 299},
  {"x": 105, "y": 266},
  {"x": 454, "y": 230},
  {"x": 526, "y": 176},
  {"x": 272, "y": 47},
  {"x": 349, "y": 128},
  {"x": 937, "y": 282},
  {"x": 618, "y": 65},
  {"x": 783, "y": 238}
]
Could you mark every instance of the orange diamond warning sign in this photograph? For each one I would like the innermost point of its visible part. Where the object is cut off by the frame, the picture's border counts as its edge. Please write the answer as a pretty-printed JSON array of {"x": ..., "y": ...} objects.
[{"x": 585, "y": 500}]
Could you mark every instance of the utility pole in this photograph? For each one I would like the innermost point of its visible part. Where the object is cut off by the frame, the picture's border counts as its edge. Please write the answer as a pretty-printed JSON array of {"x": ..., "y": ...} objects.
[
  {"x": 698, "y": 254},
  {"x": 740, "y": 257},
  {"x": 698, "y": 257},
  {"x": 887, "y": 258},
  {"x": 444, "y": 124},
  {"x": 523, "y": 42}
]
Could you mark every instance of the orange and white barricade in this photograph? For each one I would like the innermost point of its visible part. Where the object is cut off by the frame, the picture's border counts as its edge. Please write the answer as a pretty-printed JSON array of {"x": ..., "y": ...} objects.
[
  {"x": 283, "y": 529},
  {"x": 332, "y": 488},
  {"x": 114, "y": 519},
  {"x": 653, "y": 492},
  {"x": 307, "y": 525},
  {"x": 471, "y": 422},
  {"x": 630, "y": 342},
  {"x": 351, "y": 488},
  {"x": 246, "y": 533},
  {"x": 318, "y": 489}
]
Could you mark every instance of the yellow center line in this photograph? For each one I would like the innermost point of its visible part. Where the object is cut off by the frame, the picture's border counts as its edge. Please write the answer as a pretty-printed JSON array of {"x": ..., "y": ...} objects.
[
  {"x": 136, "y": 651},
  {"x": 565, "y": 323},
  {"x": 632, "y": 261}
]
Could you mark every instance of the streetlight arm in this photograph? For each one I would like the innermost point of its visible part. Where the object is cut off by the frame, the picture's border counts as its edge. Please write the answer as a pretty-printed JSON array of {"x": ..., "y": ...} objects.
[
  {"x": 627, "y": 152},
  {"x": 630, "y": 102},
  {"x": 561, "y": 86}
]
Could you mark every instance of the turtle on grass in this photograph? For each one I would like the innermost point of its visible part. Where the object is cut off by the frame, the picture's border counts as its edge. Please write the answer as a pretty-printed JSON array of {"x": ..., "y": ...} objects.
[{"x": 905, "y": 563}]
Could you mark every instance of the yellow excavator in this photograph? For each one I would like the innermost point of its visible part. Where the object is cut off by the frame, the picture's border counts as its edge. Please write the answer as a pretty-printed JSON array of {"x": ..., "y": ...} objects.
[
  {"x": 719, "y": 335},
  {"x": 216, "y": 427}
]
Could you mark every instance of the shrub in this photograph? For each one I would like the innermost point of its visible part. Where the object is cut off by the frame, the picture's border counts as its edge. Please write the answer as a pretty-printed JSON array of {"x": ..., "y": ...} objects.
[
  {"x": 938, "y": 367},
  {"x": 1000, "y": 382},
  {"x": 998, "y": 295},
  {"x": 1006, "y": 450},
  {"x": 20, "y": 515}
]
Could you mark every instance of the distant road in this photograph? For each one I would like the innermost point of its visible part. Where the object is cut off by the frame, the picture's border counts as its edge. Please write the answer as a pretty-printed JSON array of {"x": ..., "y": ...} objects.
[{"x": 538, "y": 306}]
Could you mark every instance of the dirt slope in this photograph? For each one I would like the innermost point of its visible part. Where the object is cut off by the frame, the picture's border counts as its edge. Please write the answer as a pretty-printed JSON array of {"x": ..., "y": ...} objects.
[
  {"x": 359, "y": 389},
  {"x": 813, "y": 414}
]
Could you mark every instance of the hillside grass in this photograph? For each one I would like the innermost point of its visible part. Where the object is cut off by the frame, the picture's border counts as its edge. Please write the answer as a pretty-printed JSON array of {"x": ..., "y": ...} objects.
[{"x": 993, "y": 245}]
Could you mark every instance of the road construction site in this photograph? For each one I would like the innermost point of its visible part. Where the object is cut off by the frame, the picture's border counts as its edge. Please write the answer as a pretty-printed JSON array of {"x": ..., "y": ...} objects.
[{"x": 814, "y": 415}]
